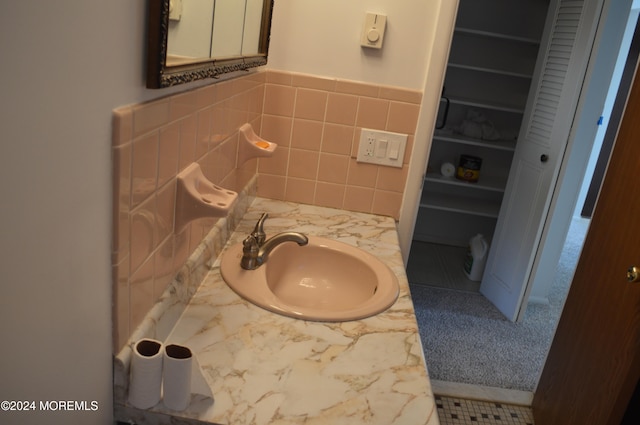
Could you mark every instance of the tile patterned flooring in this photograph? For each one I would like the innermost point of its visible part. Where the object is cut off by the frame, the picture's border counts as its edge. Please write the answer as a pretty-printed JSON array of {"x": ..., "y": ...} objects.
[{"x": 457, "y": 411}]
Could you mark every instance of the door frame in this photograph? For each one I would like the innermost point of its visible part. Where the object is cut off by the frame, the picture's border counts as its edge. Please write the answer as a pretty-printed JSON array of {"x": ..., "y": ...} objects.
[{"x": 433, "y": 82}]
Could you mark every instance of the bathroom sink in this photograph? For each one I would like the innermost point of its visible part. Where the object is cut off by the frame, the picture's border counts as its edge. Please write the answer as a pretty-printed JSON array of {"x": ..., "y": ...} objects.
[{"x": 325, "y": 280}]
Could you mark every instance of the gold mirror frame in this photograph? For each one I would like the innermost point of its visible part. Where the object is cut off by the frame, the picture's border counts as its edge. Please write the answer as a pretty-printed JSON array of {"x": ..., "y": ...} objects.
[{"x": 159, "y": 75}]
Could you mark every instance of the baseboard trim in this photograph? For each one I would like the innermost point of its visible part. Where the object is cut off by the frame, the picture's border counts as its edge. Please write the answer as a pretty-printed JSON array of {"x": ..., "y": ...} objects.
[{"x": 482, "y": 393}]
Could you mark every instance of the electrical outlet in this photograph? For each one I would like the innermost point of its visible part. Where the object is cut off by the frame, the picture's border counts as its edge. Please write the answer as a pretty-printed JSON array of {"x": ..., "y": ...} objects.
[
  {"x": 369, "y": 147},
  {"x": 381, "y": 147}
]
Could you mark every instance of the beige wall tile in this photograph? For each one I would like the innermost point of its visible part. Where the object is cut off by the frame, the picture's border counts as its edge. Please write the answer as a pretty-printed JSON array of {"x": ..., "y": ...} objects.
[
  {"x": 392, "y": 179},
  {"x": 333, "y": 168},
  {"x": 220, "y": 124},
  {"x": 188, "y": 129},
  {"x": 122, "y": 126},
  {"x": 358, "y": 198},
  {"x": 306, "y": 134},
  {"x": 386, "y": 203},
  {"x": 400, "y": 94},
  {"x": 313, "y": 82},
  {"x": 224, "y": 91},
  {"x": 363, "y": 175},
  {"x": 163, "y": 270},
  {"x": 165, "y": 210},
  {"x": 142, "y": 222},
  {"x": 168, "y": 152},
  {"x": 277, "y": 129},
  {"x": 310, "y": 104},
  {"x": 276, "y": 164},
  {"x": 279, "y": 77},
  {"x": 144, "y": 168},
  {"x": 329, "y": 195},
  {"x": 207, "y": 95},
  {"x": 357, "y": 88},
  {"x": 120, "y": 276},
  {"x": 342, "y": 109},
  {"x": 183, "y": 104},
  {"x": 203, "y": 132},
  {"x": 303, "y": 164},
  {"x": 373, "y": 113},
  {"x": 150, "y": 116},
  {"x": 403, "y": 117},
  {"x": 121, "y": 188},
  {"x": 337, "y": 139},
  {"x": 279, "y": 100},
  {"x": 270, "y": 186},
  {"x": 141, "y": 294},
  {"x": 300, "y": 190}
]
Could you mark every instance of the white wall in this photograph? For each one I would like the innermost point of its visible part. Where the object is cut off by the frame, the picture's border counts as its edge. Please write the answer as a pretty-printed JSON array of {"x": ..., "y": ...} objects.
[
  {"x": 323, "y": 38},
  {"x": 65, "y": 65}
]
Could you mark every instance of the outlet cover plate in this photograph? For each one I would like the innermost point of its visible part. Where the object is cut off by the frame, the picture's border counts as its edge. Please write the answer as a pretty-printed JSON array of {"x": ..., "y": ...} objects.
[{"x": 381, "y": 147}]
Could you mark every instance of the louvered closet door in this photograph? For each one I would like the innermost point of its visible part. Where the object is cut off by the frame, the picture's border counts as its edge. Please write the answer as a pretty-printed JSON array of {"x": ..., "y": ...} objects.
[{"x": 551, "y": 106}]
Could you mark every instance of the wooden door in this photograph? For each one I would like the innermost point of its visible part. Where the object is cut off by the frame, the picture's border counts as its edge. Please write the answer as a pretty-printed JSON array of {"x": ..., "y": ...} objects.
[{"x": 594, "y": 361}]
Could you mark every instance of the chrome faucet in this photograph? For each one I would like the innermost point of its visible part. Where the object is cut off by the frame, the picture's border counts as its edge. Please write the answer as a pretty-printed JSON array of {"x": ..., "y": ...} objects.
[{"x": 256, "y": 247}]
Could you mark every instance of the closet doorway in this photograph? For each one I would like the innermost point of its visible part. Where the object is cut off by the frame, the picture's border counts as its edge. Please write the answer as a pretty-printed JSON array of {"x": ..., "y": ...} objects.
[
  {"x": 440, "y": 264},
  {"x": 453, "y": 210}
]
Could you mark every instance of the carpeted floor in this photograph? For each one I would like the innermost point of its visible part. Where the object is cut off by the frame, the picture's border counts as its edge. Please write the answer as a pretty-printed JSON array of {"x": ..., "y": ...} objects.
[{"x": 467, "y": 340}]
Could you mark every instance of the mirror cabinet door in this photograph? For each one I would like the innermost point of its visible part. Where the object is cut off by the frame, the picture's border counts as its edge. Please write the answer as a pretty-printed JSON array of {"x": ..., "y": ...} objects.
[{"x": 189, "y": 40}]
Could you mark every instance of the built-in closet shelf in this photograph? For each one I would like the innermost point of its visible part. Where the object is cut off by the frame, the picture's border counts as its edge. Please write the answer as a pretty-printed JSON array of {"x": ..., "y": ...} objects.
[
  {"x": 452, "y": 203},
  {"x": 478, "y": 103},
  {"x": 490, "y": 34},
  {"x": 505, "y": 145},
  {"x": 485, "y": 182},
  {"x": 490, "y": 70}
]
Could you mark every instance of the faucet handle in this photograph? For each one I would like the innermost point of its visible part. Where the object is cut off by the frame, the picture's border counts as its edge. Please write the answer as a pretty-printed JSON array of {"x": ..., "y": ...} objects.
[
  {"x": 258, "y": 231},
  {"x": 249, "y": 244},
  {"x": 250, "y": 251}
]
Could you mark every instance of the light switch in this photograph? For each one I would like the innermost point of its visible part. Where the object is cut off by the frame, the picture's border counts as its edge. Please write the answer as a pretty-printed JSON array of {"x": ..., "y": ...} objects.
[
  {"x": 373, "y": 30},
  {"x": 394, "y": 149},
  {"x": 381, "y": 149}
]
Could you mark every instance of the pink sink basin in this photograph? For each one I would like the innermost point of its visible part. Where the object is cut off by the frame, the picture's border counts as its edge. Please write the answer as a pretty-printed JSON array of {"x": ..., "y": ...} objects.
[{"x": 325, "y": 280}]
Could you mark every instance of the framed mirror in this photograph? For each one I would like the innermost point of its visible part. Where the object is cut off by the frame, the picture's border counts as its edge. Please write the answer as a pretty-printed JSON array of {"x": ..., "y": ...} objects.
[{"x": 189, "y": 40}]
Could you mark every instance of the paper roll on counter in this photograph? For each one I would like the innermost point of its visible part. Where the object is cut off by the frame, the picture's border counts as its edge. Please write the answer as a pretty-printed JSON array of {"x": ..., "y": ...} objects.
[
  {"x": 177, "y": 377},
  {"x": 145, "y": 383}
]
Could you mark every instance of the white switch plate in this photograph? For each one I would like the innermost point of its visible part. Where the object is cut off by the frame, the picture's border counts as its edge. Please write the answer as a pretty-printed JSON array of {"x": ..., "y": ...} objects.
[
  {"x": 381, "y": 147},
  {"x": 373, "y": 30}
]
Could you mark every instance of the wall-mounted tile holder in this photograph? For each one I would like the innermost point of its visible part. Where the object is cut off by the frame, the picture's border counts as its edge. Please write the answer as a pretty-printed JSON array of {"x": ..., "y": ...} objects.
[
  {"x": 197, "y": 197},
  {"x": 252, "y": 146}
]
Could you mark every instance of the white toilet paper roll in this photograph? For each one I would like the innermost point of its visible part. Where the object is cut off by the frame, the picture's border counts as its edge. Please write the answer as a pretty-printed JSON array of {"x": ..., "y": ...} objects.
[
  {"x": 145, "y": 382},
  {"x": 177, "y": 377},
  {"x": 447, "y": 169}
]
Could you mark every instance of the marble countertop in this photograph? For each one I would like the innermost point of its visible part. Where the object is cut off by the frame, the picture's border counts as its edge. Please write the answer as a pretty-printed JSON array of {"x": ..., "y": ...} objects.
[{"x": 264, "y": 368}]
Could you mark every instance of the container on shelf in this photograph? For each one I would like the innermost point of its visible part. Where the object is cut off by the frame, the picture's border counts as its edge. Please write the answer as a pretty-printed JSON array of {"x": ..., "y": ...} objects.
[{"x": 469, "y": 168}]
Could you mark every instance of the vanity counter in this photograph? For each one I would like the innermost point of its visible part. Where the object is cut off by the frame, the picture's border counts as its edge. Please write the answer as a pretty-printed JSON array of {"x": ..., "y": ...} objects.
[{"x": 264, "y": 368}]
